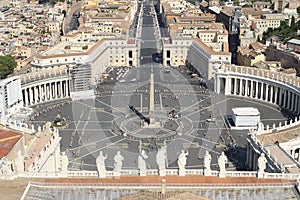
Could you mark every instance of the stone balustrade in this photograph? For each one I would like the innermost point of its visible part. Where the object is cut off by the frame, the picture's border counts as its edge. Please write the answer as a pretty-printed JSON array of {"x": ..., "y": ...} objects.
[
  {"x": 135, "y": 173},
  {"x": 44, "y": 74},
  {"x": 263, "y": 73},
  {"x": 280, "y": 127}
]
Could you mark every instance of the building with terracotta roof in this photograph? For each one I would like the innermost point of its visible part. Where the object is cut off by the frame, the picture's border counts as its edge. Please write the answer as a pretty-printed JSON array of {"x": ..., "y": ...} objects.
[{"x": 196, "y": 53}]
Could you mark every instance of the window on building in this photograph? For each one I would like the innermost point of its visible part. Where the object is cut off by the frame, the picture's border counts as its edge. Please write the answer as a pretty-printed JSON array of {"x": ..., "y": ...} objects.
[{"x": 168, "y": 53}]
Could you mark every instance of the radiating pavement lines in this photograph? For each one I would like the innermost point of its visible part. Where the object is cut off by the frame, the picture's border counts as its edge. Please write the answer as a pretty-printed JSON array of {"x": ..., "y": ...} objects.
[
  {"x": 191, "y": 106},
  {"x": 93, "y": 143},
  {"x": 91, "y": 152},
  {"x": 201, "y": 146}
]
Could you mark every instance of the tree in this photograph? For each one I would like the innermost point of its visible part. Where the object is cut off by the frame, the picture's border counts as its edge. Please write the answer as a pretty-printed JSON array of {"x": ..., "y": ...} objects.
[
  {"x": 293, "y": 24},
  {"x": 236, "y": 2},
  {"x": 7, "y": 65},
  {"x": 64, "y": 12}
]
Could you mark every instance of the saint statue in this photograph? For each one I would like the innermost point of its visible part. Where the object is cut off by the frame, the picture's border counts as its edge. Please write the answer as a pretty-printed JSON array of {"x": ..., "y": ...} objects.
[
  {"x": 100, "y": 162},
  {"x": 142, "y": 163},
  {"x": 222, "y": 160},
  {"x": 161, "y": 157},
  {"x": 182, "y": 159},
  {"x": 207, "y": 160},
  {"x": 64, "y": 162},
  {"x": 118, "y": 161},
  {"x": 6, "y": 168},
  {"x": 261, "y": 162}
]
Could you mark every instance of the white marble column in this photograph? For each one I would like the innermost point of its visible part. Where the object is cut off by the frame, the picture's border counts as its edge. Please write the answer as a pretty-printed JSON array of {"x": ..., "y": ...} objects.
[
  {"x": 51, "y": 91},
  {"x": 30, "y": 96},
  {"x": 40, "y": 93},
  {"x": 256, "y": 89},
  {"x": 37, "y": 94},
  {"x": 48, "y": 91},
  {"x": 217, "y": 85},
  {"x": 280, "y": 96},
  {"x": 276, "y": 95},
  {"x": 267, "y": 92},
  {"x": 289, "y": 100},
  {"x": 293, "y": 101},
  {"x": 44, "y": 92},
  {"x": 235, "y": 86},
  {"x": 55, "y": 90},
  {"x": 271, "y": 93},
  {"x": 284, "y": 98},
  {"x": 228, "y": 86},
  {"x": 261, "y": 91},
  {"x": 241, "y": 87},
  {"x": 67, "y": 88},
  {"x": 25, "y": 97},
  {"x": 251, "y": 89},
  {"x": 61, "y": 89},
  {"x": 246, "y": 87}
]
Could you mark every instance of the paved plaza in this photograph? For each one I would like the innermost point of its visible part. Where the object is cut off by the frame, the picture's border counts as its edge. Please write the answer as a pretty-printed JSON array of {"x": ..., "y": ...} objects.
[{"x": 191, "y": 116}]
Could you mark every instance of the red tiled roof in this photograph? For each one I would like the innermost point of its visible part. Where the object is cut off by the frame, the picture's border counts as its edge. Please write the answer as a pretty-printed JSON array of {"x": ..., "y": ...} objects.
[
  {"x": 8, "y": 139},
  {"x": 183, "y": 180}
]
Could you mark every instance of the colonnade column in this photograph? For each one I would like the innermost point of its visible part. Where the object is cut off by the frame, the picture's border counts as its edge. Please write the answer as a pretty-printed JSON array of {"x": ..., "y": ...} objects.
[
  {"x": 289, "y": 100},
  {"x": 246, "y": 87},
  {"x": 235, "y": 86},
  {"x": 252, "y": 89},
  {"x": 296, "y": 103},
  {"x": 67, "y": 88},
  {"x": 284, "y": 98},
  {"x": 30, "y": 95},
  {"x": 256, "y": 89},
  {"x": 261, "y": 90},
  {"x": 241, "y": 87},
  {"x": 26, "y": 97},
  {"x": 271, "y": 93},
  {"x": 276, "y": 95},
  {"x": 293, "y": 102},
  {"x": 37, "y": 94},
  {"x": 267, "y": 92},
  {"x": 61, "y": 89},
  {"x": 41, "y": 93}
]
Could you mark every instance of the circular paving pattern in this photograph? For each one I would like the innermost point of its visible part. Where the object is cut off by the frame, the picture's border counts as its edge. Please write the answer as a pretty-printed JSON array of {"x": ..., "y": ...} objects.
[{"x": 183, "y": 107}]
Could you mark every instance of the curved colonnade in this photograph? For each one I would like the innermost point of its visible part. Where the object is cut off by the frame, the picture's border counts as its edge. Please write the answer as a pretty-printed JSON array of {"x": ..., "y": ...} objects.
[
  {"x": 271, "y": 87},
  {"x": 45, "y": 86}
]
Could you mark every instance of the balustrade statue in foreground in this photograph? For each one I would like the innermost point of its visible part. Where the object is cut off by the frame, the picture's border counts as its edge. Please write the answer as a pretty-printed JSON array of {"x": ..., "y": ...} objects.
[
  {"x": 261, "y": 164},
  {"x": 222, "y": 160},
  {"x": 182, "y": 162},
  {"x": 100, "y": 162},
  {"x": 64, "y": 162},
  {"x": 118, "y": 162},
  {"x": 142, "y": 165},
  {"x": 161, "y": 157},
  {"x": 207, "y": 161},
  {"x": 6, "y": 167}
]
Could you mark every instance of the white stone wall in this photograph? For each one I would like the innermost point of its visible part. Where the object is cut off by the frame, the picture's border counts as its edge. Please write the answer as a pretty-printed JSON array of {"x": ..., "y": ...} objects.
[{"x": 10, "y": 96}]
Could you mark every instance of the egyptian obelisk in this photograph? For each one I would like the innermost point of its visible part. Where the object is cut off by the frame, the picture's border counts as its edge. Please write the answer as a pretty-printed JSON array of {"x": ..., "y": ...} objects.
[{"x": 151, "y": 98}]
